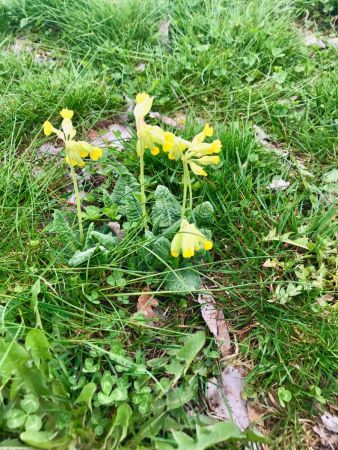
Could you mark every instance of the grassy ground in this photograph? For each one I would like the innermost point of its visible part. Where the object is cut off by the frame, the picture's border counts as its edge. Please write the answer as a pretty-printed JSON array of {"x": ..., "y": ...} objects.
[{"x": 238, "y": 65}]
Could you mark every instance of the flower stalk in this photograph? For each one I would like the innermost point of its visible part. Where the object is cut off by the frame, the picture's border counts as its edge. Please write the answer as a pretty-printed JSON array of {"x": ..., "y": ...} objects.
[
  {"x": 186, "y": 186},
  {"x": 75, "y": 152},
  {"x": 78, "y": 202},
  {"x": 140, "y": 151}
]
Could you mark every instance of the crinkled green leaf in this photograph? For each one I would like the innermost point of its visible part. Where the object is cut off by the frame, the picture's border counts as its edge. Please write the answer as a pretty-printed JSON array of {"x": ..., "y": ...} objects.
[
  {"x": 64, "y": 231},
  {"x": 81, "y": 257},
  {"x": 107, "y": 383},
  {"x": 132, "y": 206},
  {"x": 118, "y": 195},
  {"x": 331, "y": 177},
  {"x": 182, "y": 281},
  {"x": 107, "y": 240},
  {"x": 203, "y": 214},
  {"x": 157, "y": 251},
  {"x": 92, "y": 213},
  {"x": 167, "y": 209}
]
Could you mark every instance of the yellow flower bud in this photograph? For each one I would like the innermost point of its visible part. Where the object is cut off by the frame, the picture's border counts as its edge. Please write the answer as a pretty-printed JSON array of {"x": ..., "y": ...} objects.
[
  {"x": 208, "y": 130},
  {"x": 47, "y": 128}
]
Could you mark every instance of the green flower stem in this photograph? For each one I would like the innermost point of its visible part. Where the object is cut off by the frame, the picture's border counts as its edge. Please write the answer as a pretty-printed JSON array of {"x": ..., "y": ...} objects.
[
  {"x": 142, "y": 182},
  {"x": 78, "y": 201},
  {"x": 186, "y": 183},
  {"x": 190, "y": 189}
]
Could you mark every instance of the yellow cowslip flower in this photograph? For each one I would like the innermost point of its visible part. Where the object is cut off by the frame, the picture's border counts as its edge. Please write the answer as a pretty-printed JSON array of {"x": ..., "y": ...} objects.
[
  {"x": 199, "y": 152},
  {"x": 142, "y": 108},
  {"x": 174, "y": 145},
  {"x": 75, "y": 150},
  {"x": 66, "y": 113},
  {"x": 152, "y": 136},
  {"x": 188, "y": 240}
]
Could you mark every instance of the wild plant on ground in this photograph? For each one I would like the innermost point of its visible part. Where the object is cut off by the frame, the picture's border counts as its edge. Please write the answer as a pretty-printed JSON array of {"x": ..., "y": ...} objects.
[{"x": 75, "y": 152}]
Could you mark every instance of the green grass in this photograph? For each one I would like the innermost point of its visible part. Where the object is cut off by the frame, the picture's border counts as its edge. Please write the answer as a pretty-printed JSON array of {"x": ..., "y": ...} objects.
[{"x": 235, "y": 64}]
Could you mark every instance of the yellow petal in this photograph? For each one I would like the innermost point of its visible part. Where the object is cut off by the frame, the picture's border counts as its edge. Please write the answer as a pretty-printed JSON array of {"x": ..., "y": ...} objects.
[
  {"x": 96, "y": 153},
  {"x": 198, "y": 170},
  {"x": 207, "y": 245},
  {"x": 143, "y": 105},
  {"x": 167, "y": 146},
  {"x": 176, "y": 245},
  {"x": 47, "y": 128},
  {"x": 208, "y": 130},
  {"x": 66, "y": 113},
  {"x": 207, "y": 160},
  {"x": 155, "y": 151},
  {"x": 68, "y": 129},
  {"x": 216, "y": 146},
  {"x": 169, "y": 136},
  {"x": 188, "y": 253},
  {"x": 141, "y": 97}
]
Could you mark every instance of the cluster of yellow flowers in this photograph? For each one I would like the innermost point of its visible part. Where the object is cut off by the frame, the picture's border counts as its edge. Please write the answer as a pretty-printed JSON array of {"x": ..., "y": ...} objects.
[
  {"x": 75, "y": 150},
  {"x": 194, "y": 154}
]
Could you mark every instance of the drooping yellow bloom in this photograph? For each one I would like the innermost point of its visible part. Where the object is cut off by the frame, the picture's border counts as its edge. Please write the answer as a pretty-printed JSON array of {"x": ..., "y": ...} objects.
[
  {"x": 152, "y": 137},
  {"x": 200, "y": 153},
  {"x": 75, "y": 150},
  {"x": 142, "y": 108},
  {"x": 188, "y": 240},
  {"x": 174, "y": 145},
  {"x": 47, "y": 128}
]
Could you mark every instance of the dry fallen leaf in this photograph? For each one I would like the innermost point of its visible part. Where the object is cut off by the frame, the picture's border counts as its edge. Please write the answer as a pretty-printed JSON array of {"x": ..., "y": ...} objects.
[
  {"x": 145, "y": 304},
  {"x": 311, "y": 40},
  {"x": 178, "y": 119},
  {"x": 255, "y": 414},
  {"x": 113, "y": 136},
  {"x": 225, "y": 400},
  {"x": 49, "y": 149},
  {"x": 328, "y": 439},
  {"x": 279, "y": 184},
  {"x": 334, "y": 42},
  {"x": 269, "y": 263},
  {"x": 268, "y": 143},
  {"x": 116, "y": 229},
  {"x": 330, "y": 422},
  {"x": 141, "y": 67},
  {"x": 215, "y": 320},
  {"x": 72, "y": 199},
  {"x": 21, "y": 45},
  {"x": 164, "y": 31}
]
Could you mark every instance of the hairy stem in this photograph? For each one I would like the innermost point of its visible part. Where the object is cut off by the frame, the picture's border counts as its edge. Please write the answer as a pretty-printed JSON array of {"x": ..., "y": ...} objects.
[
  {"x": 78, "y": 201},
  {"x": 185, "y": 187},
  {"x": 140, "y": 149}
]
